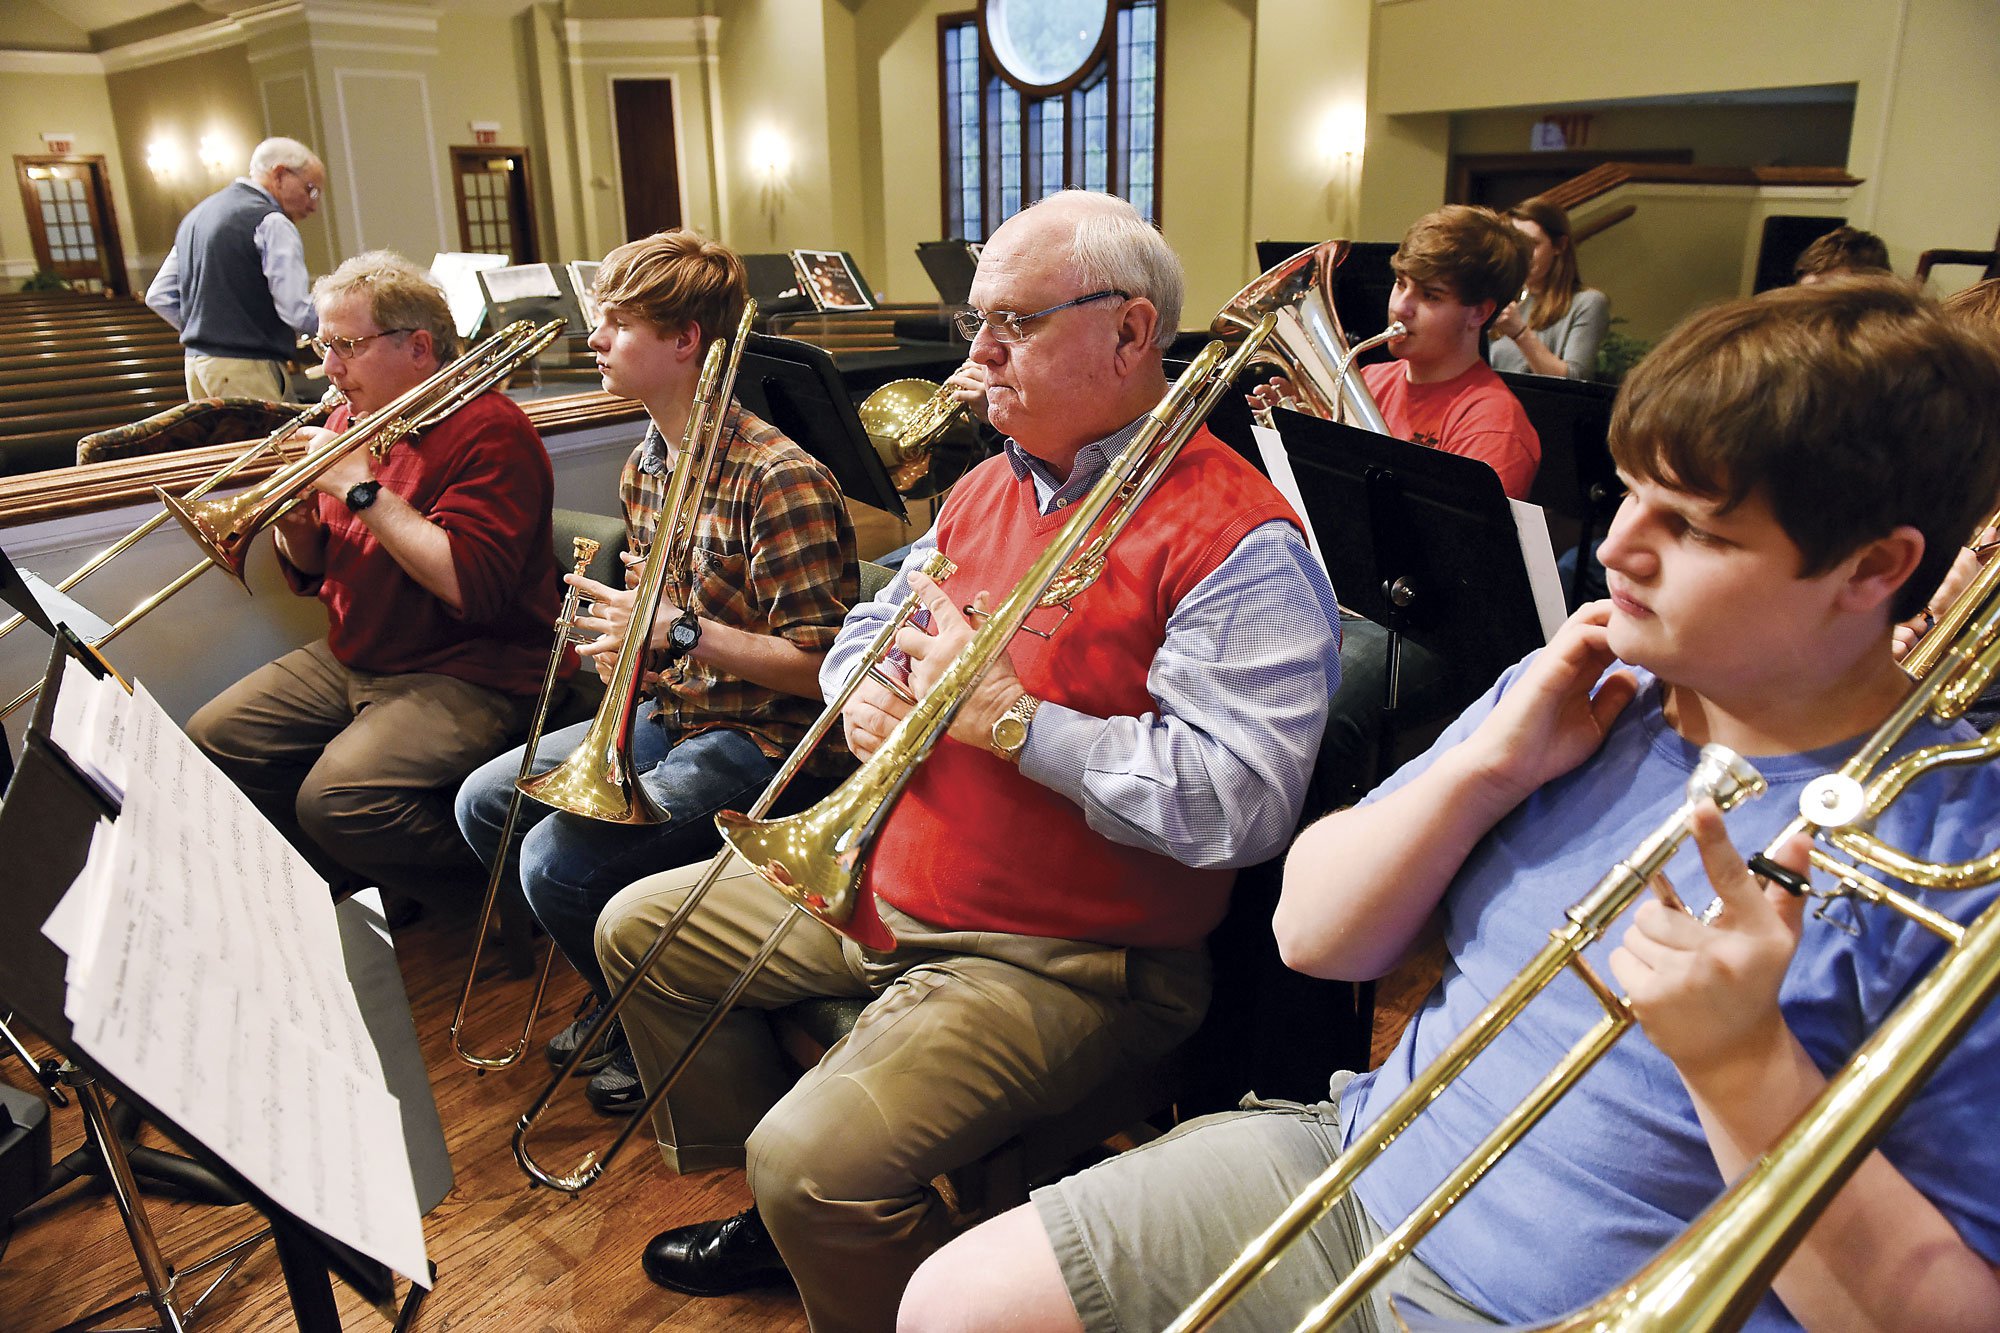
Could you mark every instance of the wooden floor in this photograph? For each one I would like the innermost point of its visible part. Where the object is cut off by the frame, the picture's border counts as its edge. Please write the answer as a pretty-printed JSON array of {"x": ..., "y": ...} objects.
[{"x": 508, "y": 1257}]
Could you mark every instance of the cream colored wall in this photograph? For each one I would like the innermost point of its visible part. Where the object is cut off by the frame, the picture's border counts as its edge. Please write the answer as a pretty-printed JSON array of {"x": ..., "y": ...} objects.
[
  {"x": 477, "y": 77},
  {"x": 1924, "y": 74},
  {"x": 1205, "y": 177},
  {"x": 787, "y": 68},
  {"x": 31, "y": 103}
]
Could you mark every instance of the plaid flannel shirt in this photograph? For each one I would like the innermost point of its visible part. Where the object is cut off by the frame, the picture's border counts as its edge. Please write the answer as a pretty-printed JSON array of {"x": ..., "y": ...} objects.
[{"x": 773, "y": 554}]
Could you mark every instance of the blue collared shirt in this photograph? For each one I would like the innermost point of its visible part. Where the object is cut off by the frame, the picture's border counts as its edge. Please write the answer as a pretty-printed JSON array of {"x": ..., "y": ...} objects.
[
  {"x": 283, "y": 254},
  {"x": 1217, "y": 776}
]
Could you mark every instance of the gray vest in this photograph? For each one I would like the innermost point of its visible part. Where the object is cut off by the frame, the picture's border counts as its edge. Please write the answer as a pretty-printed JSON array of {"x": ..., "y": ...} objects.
[{"x": 226, "y": 305}]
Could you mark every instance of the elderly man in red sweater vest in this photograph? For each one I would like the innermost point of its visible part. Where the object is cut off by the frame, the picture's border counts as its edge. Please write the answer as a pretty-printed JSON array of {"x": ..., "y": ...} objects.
[{"x": 1036, "y": 904}]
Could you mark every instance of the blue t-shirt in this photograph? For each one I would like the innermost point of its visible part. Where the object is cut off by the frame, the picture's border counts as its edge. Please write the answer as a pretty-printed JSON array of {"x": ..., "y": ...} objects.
[{"x": 1620, "y": 1167}]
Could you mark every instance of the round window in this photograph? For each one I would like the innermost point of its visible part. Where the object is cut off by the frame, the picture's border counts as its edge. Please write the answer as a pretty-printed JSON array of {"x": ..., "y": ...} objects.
[{"x": 1044, "y": 44}]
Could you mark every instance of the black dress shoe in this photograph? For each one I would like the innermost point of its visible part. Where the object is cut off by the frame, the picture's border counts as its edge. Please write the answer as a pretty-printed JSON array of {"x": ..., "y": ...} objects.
[{"x": 715, "y": 1258}]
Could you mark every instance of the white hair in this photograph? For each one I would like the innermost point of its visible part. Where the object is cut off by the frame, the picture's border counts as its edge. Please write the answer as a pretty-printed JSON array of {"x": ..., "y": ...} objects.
[
  {"x": 1114, "y": 247},
  {"x": 271, "y": 154}
]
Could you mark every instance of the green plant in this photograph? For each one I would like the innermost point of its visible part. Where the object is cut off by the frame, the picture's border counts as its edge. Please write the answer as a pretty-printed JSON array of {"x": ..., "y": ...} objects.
[
  {"x": 1618, "y": 353},
  {"x": 44, "y": 280}
]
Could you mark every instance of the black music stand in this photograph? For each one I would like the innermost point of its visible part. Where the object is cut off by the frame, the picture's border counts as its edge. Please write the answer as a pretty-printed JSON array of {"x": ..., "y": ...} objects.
[
  {"x": 796, "y": 387},
  {"x": 45, "y": 828},
  {"x": 1577, "y": 480},
  {"x": 1422, "y": 543},
  {"x": 950, "y": 265}
]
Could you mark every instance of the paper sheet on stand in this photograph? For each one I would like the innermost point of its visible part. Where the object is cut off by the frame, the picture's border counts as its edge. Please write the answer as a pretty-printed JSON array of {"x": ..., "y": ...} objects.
[
  {"x": 1278, "y": 466},
  {"x": 217, "y": 992},
  {"x": 93, "y": 726},
  {"x": 1531, "y": 525}
]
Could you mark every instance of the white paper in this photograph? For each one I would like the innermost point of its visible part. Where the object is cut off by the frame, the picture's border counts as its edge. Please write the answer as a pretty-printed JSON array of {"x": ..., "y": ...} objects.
[
  {"x": 457, "y": 271},
  {"x": 61, "y": 608},
  {"x": 92, "y": 725},
  {"x": 1278, "y": 466},
  {"x": 78, "y": 920},
  {"x": 521, "y": 282},
  {"x": 216, "y": 990},
  {"x": 1538, "y": 552}
]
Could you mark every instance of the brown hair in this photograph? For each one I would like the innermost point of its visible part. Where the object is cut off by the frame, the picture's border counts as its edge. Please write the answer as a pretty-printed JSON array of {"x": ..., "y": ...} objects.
[
  {"x": 1474, "y": 251},
  {"x": 1978, "y": 305},
  {"x": 1843, "y": 250},
  {"x": 673, "y": 279},
  {"x": 399, "y": 294},
  {"x": 1562, "y": 283},
  {"x": 1852, "y": 408}
]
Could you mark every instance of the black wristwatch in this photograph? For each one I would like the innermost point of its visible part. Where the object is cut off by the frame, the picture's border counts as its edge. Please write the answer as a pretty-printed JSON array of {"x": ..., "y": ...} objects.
[
  {"x": 684, "y": 634},
  {"x": 362, "y": 494}
]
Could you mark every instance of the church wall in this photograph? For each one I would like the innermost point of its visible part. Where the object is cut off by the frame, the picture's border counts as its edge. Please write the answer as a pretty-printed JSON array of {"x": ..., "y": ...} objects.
[{"x": 32, "y": 102}]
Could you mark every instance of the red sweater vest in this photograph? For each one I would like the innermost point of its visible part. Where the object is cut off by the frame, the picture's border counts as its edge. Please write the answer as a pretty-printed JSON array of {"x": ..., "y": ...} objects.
[{"x": 974, "y": 845}]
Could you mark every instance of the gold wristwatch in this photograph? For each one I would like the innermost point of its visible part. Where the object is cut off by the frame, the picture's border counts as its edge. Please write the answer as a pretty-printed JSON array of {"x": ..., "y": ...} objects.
[{"x": 1010, "y": 729}]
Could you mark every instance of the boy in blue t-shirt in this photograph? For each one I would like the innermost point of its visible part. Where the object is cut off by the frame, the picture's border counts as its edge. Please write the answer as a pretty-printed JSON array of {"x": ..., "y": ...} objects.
[{"x": 1801, "y": 468}]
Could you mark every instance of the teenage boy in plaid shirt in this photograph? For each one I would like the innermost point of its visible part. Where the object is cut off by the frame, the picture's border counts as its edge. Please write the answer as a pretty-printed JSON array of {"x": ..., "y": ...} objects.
[{"x": 732, "y": 680}]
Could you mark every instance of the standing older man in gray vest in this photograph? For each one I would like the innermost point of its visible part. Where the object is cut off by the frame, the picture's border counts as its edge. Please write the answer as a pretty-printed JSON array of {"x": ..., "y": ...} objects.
[{"x": 235, "y": 283}]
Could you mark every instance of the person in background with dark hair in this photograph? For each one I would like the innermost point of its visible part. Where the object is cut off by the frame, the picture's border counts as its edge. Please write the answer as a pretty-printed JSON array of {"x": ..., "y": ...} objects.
[
  {"x": 733, "y": 667},
  {"x": 1557, "y": 324},
  {"x": 436, "y": 569},
  {"x": 235, "y": 282},
  {"x": 1800, "y": 466},
  {"x": 1841, "y": 252}
]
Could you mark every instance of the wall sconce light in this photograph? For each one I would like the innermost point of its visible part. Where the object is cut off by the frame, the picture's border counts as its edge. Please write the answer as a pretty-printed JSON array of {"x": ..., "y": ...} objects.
[
  {"x": 1343, "y": 135},
  {"x": 164, "y": 158},
  {"x": 770, "y": 155},
  {"x": 217, "y": 155}
]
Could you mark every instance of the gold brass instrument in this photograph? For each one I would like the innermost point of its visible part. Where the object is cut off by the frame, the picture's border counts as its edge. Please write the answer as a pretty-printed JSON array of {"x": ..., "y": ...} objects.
[
  {"x": 328, "y": 401},
  {"x": 1309, "y": 346},
  {"x": 224, "y": 528},
  {"x": 1924, "y": 655},
  {"x": 597, "y": 780},
  {"x": 1713, "y": 1276},
  {"x": 583, "y": 550},
  {"x": 815, "y": 859},
  {"x": 906, "y": 420},
  {"x": 1720, "y": 775}
]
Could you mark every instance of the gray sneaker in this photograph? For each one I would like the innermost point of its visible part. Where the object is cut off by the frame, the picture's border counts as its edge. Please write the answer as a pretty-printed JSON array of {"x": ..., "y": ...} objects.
[
  {"x": 564, "y": 1043},
  {"x": 615, "y": 1089}
]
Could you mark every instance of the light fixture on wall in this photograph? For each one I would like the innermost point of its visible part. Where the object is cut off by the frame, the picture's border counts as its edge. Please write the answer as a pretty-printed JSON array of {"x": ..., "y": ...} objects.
[
  {"x": 165, "y": 158},
  {"x": 218, "y": 155},
  {"x": 770, "y": 155},
  {"x": 1342, "y": 139}
]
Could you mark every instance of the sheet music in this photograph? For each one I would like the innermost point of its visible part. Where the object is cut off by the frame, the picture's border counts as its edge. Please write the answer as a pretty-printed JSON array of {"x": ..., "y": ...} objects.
[
  {"x": 1278, "y": 466},
  {"x": 79, "y": 918},
  {"x": 215, "y": 989},
  {"x": 92, "y": 724},
  {"x": 1538, "y": 552},
  {"x": 521, "y": 281}
]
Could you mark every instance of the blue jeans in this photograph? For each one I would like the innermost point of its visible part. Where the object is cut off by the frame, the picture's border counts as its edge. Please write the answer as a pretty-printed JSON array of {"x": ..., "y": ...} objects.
[{"x": 569, "y": 866}]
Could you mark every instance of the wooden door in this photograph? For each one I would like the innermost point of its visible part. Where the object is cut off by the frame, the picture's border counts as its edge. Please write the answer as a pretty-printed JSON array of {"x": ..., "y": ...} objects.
[
  {"x": 71, "y": 220},
  {"x": 496, "y": 214},
  {"x": 648, "y": 167}
]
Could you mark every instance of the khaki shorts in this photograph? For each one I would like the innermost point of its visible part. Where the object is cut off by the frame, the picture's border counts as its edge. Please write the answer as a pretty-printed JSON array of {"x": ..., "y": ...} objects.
[{"x": 1141, "y": 1236}]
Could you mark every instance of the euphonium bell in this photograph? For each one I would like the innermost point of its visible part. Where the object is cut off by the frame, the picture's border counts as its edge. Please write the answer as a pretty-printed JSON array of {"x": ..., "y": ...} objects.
[
  {"x": 906, "y": 421},
  {"x": 1308, "y": 345}
]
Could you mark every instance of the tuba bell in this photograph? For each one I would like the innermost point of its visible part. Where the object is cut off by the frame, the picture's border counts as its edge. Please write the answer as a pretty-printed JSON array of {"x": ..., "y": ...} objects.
[{"x": 1308, "y": 345}]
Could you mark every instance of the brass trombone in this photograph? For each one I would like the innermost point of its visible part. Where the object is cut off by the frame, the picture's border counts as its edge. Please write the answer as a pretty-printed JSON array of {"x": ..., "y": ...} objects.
[
  {"x": 583, "y": 550},
  {"x": 328, "y": 401},
  {"x": 1721, "y": 776},
  {"x": 224, "y": 528},
  {"x": 1713, "y": 1276},
  {"x": 815, "y": 859},
  {"x": 597, "y": 779}
]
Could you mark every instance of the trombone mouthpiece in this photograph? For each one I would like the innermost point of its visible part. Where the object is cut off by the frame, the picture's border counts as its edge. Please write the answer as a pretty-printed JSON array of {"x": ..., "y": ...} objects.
[{"x": 1725, "y": 776}]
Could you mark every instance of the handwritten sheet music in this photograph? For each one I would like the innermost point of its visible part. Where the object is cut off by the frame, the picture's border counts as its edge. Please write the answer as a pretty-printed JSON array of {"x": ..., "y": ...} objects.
[{"x": 210, "y": 982}]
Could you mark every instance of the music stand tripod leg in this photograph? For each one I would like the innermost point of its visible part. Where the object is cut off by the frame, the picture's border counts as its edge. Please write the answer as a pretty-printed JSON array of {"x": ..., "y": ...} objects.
[{"x": 161, "y": 1282}]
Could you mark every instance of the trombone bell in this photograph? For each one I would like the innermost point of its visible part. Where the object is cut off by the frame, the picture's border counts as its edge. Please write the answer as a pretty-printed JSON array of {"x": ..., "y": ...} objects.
[
  {"x": 222, "y": 528},
  {"x": 815, "y": 858},
  {"x": 596, "y": 785}
]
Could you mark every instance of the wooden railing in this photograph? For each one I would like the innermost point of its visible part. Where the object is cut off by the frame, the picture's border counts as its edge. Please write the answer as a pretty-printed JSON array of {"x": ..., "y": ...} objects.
[{"x": 1601, "y": 180}]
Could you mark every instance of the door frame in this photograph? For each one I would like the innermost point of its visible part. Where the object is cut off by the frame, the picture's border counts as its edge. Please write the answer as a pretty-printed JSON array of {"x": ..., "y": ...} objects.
[
  {"x": 110, "y": 245},
  {"x": 524, "y": 228}
]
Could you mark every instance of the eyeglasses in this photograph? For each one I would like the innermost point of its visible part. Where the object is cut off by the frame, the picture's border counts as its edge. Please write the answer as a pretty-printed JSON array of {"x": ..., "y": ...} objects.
[
  {"x": 1005, "y": 325},
  {"x": 312, "y": 192},
  {"x": 347, "y": 347}
]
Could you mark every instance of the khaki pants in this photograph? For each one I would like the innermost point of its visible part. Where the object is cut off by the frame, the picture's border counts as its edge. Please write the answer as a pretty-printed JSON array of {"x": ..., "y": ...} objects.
[
  {"x": 971, "y": 1035},
  {"x": 358, "y": 769},
  {"x": 234, "y": 377}
]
